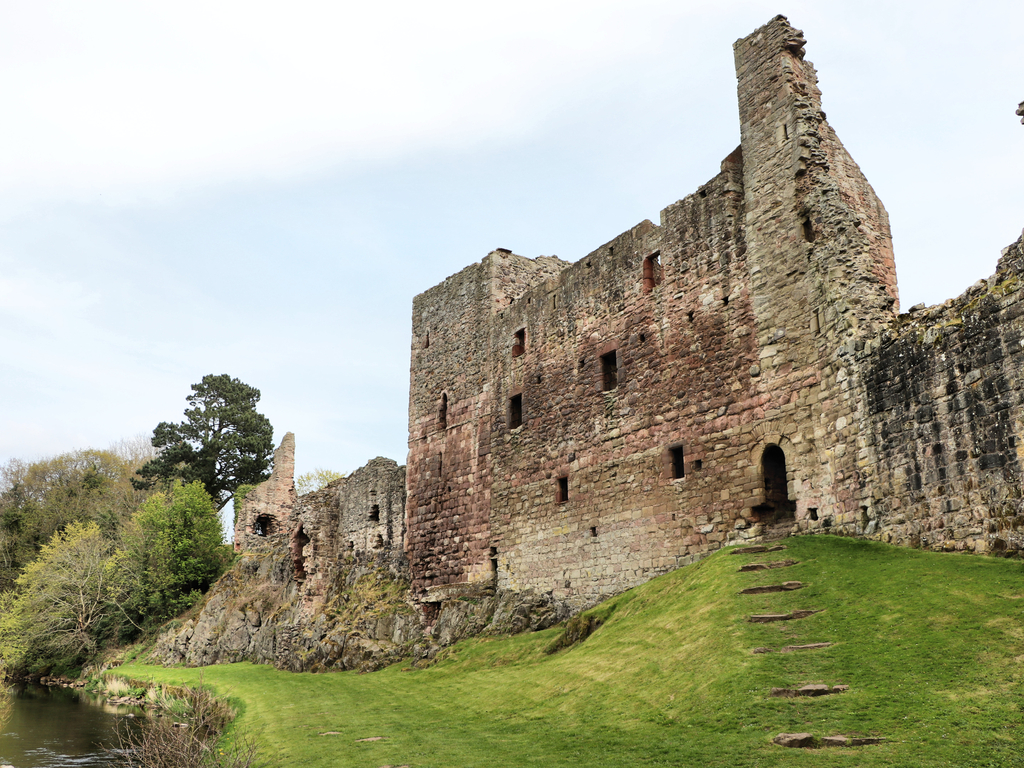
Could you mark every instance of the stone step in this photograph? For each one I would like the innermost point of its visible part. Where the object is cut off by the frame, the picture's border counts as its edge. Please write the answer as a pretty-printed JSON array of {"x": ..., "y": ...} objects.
[
  {"x": 807, "y": 740},
  {"x": 851, "y": 741},
  {"x": 808, "y": 690},
  {"x": 792, "y": 648},
  {"x": 785, "y": 586},
  {"x": 766, "y": 618},
  {"x": 766, "y": 566},
  {"x": 757, "y": 549}
]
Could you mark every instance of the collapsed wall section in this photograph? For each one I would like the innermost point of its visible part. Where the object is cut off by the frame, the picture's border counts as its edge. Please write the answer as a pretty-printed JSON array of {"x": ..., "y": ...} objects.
[{"x": 946, "y": 393}]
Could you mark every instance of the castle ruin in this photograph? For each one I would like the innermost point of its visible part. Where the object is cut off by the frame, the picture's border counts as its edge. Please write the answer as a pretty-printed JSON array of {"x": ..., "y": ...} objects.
[{"x": 738, "y": 370}]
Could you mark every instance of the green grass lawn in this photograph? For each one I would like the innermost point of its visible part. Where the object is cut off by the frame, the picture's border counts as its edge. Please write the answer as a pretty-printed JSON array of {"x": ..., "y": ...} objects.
[{"x": 931, "y": 644}]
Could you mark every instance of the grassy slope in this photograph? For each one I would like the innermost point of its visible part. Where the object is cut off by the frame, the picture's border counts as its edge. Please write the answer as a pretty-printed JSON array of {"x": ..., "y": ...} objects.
[{"x": 932, "y": 646}]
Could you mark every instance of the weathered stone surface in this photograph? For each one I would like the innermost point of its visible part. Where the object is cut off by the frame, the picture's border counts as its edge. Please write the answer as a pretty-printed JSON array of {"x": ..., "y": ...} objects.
[
  {"x": 807, "y": 647},
  {"x": 766, "y": 618},
  {"x": 794, "y": 740},
  {"x": 766, "y": 566},
  {"x": 786, "y": 586}
]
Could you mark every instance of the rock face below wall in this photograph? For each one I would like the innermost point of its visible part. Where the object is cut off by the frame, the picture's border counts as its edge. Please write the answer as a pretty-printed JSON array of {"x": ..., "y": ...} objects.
[{"x": 322, "y": 583}]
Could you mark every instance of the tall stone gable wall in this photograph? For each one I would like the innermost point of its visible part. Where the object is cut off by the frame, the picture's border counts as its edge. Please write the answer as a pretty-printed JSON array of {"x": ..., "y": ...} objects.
[{"x": 733, "y": 326}]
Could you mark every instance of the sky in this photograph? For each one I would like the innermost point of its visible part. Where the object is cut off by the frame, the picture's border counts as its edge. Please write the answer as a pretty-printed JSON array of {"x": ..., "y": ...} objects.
[{"x": 260, "y": 189}]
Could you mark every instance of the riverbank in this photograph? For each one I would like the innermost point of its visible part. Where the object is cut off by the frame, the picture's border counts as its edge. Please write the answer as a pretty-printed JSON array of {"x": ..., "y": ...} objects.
[{"x": 921, "y": 650}]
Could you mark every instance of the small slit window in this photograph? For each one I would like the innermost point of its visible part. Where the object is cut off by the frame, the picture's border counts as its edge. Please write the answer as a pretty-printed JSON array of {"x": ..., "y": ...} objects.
[
  {"x": 375, "y": 513},
  {"x": 562, "y": 490},
  {"x": 442, "y": 412},
  {"x": 652, "y": 272},
  {"x": 519, "y": 342},
  {"x": 675, "y": 456},
  {"x": 515, "y": 411},
  {"x": 609, "y": 371}
]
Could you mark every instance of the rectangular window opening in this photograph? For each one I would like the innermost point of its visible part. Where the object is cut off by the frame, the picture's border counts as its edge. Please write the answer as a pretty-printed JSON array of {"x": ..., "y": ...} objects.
[
  {"x": 676, "y": 455},
  {"x": 519, "y": 342},
  {"x": 515, "y": 411},
  {"x": 609, "y": 371},
  {"x": 562, "y": 492},
  {"x": 593, "y": 531},
  {"x": 652, "y": 272},
  {"x": 698, "y": 465},
  {"x": 375, "y": 513}
]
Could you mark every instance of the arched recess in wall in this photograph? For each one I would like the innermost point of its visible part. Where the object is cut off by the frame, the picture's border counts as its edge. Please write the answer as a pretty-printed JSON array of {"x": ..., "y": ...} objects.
[
  {"x": 775, "y": 474},
  {"x": 296, "y": 544}
]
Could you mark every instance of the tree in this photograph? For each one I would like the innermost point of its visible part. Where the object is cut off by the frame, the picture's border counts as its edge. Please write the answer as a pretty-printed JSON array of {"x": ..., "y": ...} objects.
[
  {"x": 173, "y": 551},
  {"x": 60, "y": 601},
  {"x": 222, "y": 443},
  {"x": 308, "y": 482}
]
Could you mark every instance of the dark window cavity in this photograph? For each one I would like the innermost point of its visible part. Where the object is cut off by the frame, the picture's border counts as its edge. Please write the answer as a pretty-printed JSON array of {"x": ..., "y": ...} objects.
[
  {"x": 375, "y": 513},
  {"x": 562, "y": 490},
  {"x": 609, "y": 371},
  {"x": 515, "y": 411},
  {"x": 262, "y": 525},
  {"x": 675, "y": 454},
  {"x": 442, "y": 414}
]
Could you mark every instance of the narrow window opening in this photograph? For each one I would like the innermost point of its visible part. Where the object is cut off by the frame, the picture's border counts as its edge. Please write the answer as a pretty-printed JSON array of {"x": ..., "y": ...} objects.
[
  {"x": 426, "y": 340},
  {"x": 562, "y": 490},
  {"x": 673, "y": 515},
  {"x": 375, "y": 513},
  {"x": 643, "y": 337},
  {"x": 296, "y": 545},
  {"x": 440, "y": 464},
  {"x": 652, "y": 272},
  {"x": 864, "y": 519},
  {"x": 698, "y": 465},
  {"x": 689, "y": 316},
  {"x": 538, "y": 378},
  {"x": 703, "y": 193},
  {"x": 812, "y": 512},
  {"x": 442, "y": 414},
  {"x": 809, "y": 231},
  {"x": 379, "y": 543},
  {"x": 554, "y": 302},
  {"x": 351, "y": 545},
  {"x": 815, "y": 322},
  {"x": 529, "y": 300},
  {"x": 262, "y": 525},
  {"x": 492, "y": 553},
  {"x": 676, "y": 457},
  {"x": 515, "y": 411},
  {"x": 611, "y": 249},
  {"x": 609, "y": 371},
  {"x": 584, "y": 362},
  {"x": 725, "y": 300},
  {"x": 593, "y": 531},
  {"x": 519, "y": 342}
]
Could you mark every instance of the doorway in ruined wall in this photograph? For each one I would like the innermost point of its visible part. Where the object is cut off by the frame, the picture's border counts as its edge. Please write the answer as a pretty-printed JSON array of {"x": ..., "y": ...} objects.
[{"x": 776, "y": 505}]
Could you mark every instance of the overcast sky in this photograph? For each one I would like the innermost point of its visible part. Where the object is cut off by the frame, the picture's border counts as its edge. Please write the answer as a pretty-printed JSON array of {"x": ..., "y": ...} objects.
[{"x": 260, "y": 189}]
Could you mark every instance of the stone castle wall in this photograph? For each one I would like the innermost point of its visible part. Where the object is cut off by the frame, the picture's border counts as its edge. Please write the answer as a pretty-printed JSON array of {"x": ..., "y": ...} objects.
[{"x": 737, "y": 371}]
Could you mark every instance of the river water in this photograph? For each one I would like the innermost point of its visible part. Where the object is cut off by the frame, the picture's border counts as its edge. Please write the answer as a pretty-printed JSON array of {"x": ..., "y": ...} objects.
[{"x": 58, "y": 728}]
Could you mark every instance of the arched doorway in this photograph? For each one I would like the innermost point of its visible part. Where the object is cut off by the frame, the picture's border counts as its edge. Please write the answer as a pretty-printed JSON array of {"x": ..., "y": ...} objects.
[{"x": 776, "y": 505}]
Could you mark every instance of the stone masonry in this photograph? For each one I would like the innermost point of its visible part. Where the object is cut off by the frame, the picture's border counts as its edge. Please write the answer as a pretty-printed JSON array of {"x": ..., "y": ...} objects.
[{"x": 735, "y": 371}]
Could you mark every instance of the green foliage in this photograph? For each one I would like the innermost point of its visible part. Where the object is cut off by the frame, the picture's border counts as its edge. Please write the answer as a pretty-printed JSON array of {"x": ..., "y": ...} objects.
[
  {"x": 222, "y": 443},
  {"x": 929, "y": 643},
  {"x": 173, "y": 552},
  {"x": 56, "y": 614},
  {"x": 308, "y": 482},
  {"x": 40, "y": 498},
  {"x": 239, "y": 498}
]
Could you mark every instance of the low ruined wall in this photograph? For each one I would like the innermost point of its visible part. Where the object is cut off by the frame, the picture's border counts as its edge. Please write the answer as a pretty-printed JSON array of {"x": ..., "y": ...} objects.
[{"x": 946, "y": 392}]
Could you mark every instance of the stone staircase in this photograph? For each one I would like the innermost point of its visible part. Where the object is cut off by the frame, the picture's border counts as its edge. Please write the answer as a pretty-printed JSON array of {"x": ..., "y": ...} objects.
[{"x": 801, "y": 740}]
